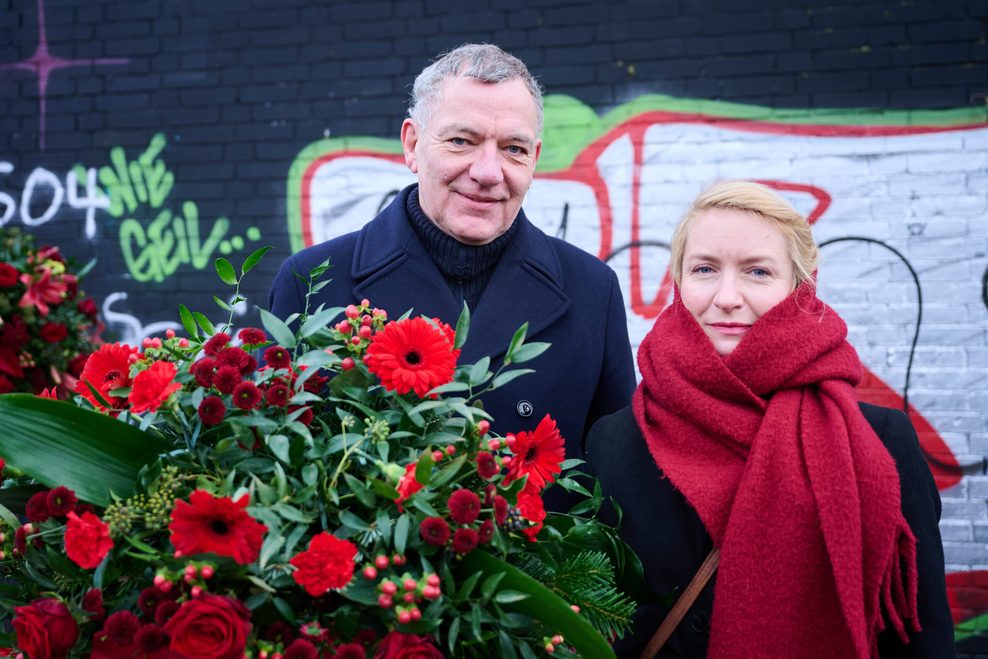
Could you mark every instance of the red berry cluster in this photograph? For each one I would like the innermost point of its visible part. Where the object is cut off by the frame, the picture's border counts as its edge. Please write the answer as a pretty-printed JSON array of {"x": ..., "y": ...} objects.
[
  {"x": 403, "y": 592},
  {"x": 360, "y": 323}
]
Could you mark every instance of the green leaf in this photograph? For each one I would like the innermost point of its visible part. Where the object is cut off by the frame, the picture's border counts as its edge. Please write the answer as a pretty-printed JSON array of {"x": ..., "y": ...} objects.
[
  {"x": 226, "y": 272},
  {"x": 277, "y": 329},
  {"x": 449, "y": 387},
  {"x": 204, "y": 323},
  {"x": 423, "y": 469},
  {"x": 479, "y": 371},
  {"x": 462, "y": 327},
  {"x": 254, "y": 258},
  {"x": 509, "y": 596},
  {"x": 508, "y": 376},
  {"x": 516, "y": 340},
  {"x": 221, "y": 304},
  {"x": 507, "y": 645},
  {"x": 350, "y": 520},
  {"x": 58, "y": 443},
  {"x": 279, "y": 445},
  {"x": 401, "y": 533},
  {"x": 490, "y": 584},
  {"x": 188, "y": 322},
  {"x": 271, "y": 545},
  {"x": 529, "y": 351},
  {"x": 542, "y": 603},
  {"x": 317, "y": 322}
]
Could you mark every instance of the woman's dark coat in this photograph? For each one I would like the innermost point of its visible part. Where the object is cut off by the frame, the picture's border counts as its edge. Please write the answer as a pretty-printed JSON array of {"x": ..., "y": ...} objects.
[{"x": 668, "y": 536}]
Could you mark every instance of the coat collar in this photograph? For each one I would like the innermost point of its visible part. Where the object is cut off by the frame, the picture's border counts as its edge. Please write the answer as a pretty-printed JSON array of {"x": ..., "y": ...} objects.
[{"x": 394, "y": 271}]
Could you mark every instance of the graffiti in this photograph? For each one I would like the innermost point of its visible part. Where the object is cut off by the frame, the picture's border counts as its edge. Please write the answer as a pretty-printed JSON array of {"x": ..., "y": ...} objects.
[
  {"x": 888, "y": 195},
  {"x": 156, "y": 251},
  {"x": 126, "y": 328},
  {"x": 45, "y": 188}
]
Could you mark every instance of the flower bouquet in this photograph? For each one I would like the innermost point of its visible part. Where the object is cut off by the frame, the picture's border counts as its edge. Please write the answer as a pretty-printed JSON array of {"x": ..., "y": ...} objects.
[
  {"x": 345, "y": 497},
  {"x": 47, "y": 326}
]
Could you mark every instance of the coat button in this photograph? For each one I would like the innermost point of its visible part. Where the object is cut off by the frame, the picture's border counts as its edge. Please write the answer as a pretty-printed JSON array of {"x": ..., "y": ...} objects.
[
  {"x": 524, "y": 408},
  {"x": 700, "y": 622}
]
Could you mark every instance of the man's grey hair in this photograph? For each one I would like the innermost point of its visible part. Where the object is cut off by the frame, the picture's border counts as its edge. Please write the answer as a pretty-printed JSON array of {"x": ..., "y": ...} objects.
[{"x": 484, "y": 62}]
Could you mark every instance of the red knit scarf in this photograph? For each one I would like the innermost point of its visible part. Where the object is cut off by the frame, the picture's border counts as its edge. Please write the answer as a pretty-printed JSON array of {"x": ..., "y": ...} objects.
[{"x": 769, "y": 446}]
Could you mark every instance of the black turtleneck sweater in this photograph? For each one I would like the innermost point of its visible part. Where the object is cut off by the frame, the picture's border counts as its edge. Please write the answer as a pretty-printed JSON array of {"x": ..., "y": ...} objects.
[{"x": 466, "y": 268}]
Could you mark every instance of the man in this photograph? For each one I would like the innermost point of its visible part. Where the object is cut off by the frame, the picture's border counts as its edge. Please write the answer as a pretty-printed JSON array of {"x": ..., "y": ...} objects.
[{"x": 472, "y": 138}]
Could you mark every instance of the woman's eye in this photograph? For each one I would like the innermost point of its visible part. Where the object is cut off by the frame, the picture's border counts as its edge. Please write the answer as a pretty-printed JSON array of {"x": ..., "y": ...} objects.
[
  {"x": 760, "y": 272},
  {"x": 703, "y": 269}
]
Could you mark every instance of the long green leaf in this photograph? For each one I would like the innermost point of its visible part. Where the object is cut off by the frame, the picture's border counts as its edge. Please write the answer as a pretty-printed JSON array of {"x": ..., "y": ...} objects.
[
  {"x": 542, "y": 604},
  {"x": 254, "y": 259},
  {"x": 57, "y": 443}
]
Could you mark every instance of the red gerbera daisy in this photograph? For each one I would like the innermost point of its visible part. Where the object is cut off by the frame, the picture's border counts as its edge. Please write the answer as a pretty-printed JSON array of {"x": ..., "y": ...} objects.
[
  {"x": 538, "y": 454},
  {"x": 326, "y": 564},
  {"x": 411, "y": 355},
  {"x": 216, "y": 524},
  {"x": 106, "y": 369},
  {"x": 152, "y": 387}
]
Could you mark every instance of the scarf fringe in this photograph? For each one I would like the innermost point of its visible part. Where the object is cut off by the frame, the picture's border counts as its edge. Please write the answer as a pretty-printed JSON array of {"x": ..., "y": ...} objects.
[{"x": 899, "y": 590}]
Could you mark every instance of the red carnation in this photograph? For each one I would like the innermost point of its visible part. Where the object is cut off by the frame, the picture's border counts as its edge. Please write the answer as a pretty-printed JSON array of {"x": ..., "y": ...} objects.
[
  {"x": 396, "y": 645},
  {"x": 8, "y": 275},
  {"x": 203, "y": 371},
  {"x": 300, "y": 649},
  {"x": 216, "y": 524},
  {"x": 45, "y": 629},
  {"x": 464, "y": 541},
  {"x": 61, "y": 501},
  {"x": 87, "y": 540},
  {"x": 210, "y": 626},
  {"x": 53, "y": 332},
  {"x": 246, "y": 395},
  {"x": 407, "y": 485},
  {"x": 464, "y": 506},
  {"x": 538, "y": 455},
  {"x": 531, "y": 508},
  {"x": 106, "y": 369},
  {"x": 411, "y": 355},
  {"x": 226, "y": 379},
  {"x": 485, "y": 532},
  {"x": 152, "y": 387},
  {"x": 36, "y": 509},
  {"x": 278, "y": 394},
  {"x": 434, "y": 530},
  {"x": 500, "y": 510},
  {"x": 277, "y": 357},
  {"x": 326, "y": 564},
  {"x": 252, "y": 336},
  {"x": 212, "y": 410},
  {"x": 486, "y": 465},
  {"x": 216, "y": 343}
]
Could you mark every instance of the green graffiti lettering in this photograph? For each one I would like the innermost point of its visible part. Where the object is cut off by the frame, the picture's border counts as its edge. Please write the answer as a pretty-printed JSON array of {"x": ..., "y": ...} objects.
[
  {"x": 168, "y": 243},
  {"x": 142, "y": 181},
  {"x": 140, "y": 265}
]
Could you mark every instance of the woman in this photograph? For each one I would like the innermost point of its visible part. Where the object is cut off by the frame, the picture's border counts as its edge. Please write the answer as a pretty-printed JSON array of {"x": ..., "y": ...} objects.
[{"x": 745, "y": 435}]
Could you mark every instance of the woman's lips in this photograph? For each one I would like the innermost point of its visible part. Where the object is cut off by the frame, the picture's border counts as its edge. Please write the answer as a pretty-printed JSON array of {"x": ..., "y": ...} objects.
[{"x": 731, "y": 329}]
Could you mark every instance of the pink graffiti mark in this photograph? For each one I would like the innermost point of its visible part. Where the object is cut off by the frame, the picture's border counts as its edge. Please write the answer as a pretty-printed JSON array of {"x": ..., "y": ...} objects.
[{"x": 42, "y": 63}]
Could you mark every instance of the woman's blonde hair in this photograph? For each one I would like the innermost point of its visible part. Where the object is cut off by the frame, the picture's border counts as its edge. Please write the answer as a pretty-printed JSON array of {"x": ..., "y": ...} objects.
[{"x": 750, "y": 197}]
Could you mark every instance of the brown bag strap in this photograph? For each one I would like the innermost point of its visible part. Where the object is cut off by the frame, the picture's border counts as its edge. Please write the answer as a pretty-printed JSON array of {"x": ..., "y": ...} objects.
[{"x": 683, "y": 604}]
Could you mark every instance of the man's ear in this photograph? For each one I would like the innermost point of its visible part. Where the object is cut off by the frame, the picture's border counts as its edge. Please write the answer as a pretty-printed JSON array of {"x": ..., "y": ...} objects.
[
  {"x": 409, "y": 138},
  {"x": 538, "y": 152}
]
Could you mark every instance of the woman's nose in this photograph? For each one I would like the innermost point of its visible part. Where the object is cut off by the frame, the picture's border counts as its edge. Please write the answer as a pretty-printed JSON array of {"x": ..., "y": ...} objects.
[{"x": 728, "y": 295}]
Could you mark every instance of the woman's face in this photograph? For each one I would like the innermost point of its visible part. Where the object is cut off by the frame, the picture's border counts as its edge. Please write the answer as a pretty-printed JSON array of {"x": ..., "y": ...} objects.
[{"x": 736, "y": 266}]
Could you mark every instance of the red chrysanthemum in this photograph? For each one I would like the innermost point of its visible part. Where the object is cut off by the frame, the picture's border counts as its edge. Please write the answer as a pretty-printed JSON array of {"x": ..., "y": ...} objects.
[
  {"x": 538, "y": 455},
  {"x": 152, "y": 387},
  {"x": 486, "y": 531},
  {"x": 531, "y": 508},
  {"x": 226, "y": 378},
  {"x": 464, "y": 506},
  {"x": 106, "y": 369},
  {"x": 203, "y": 371},
  {"x": 87, "y": 306},
  {"x": 61, "y": 501},
  {"x": 8, "y": 275},
  {"x": 300, "y": 649},
  {"x": 407, "y": 485},
  {"x": 277, "y": 357},
  {"x": 166, "y": 610},
  {"x": 232, "y": 357},
  {"x": 246, "y": 395},
  {"x": 464, "y": 541},
  {"x": 434, "y": 530},
  {"x": 149, "y": 599},
  {"x": 92, "y": 603},
  {"x": 486, "y": 465},
  {"x": 252, "y": 336},
  {"x": 212, "y": 410},
  {"x": 121, "y": 628},
  {"x": 216, "y": 343},
  {"x": 326, "y": 564},
  {"x": 350, "y": 651},
  {"x": 411, "y": 355},
  {"x": 216, "y": 524},
  {"x": 305, "y": 418},
  {"x": 150, "y": 639},
  {"x": 53, "y": 332},
  {"x": 500, "y": 510},
  {"x": 36, "y": 508},
  {"x": 278, "y": 394},
  {"x": 87, "y": 540}
]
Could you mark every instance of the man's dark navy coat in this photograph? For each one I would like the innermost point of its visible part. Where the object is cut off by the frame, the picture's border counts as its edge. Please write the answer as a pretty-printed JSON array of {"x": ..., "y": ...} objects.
[{"x": 568, "y": 297}]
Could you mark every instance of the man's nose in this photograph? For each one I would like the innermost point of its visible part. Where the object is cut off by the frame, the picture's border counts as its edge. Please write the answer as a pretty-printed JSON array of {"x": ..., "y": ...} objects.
[{"x": 486, "y": 167}]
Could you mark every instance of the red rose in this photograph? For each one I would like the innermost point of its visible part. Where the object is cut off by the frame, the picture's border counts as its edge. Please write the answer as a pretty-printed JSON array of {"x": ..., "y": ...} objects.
[
  {"x": 53, "y": 332},
  {"x": 45, "y": 629},
  {"x": 8, "y": 275},
  {"x": 406, "y": 646},
  {"x": 326, "y": 564},
  {"x": 209, "y": 627},
  {"x": 87, "y": 540}
]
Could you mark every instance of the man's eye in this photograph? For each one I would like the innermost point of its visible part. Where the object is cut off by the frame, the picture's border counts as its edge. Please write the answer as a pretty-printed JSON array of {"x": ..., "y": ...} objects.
[
  {"x": 516, "y": 150},
  {"x": 458, "y": 141}
]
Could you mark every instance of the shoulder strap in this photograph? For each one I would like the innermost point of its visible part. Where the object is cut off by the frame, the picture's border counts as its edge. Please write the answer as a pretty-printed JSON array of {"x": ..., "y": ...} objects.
[{"x": 683, "y": 604}]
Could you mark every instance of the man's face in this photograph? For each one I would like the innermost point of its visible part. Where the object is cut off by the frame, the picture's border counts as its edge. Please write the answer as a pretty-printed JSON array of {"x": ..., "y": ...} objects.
[{"x": 475, "y": 158}]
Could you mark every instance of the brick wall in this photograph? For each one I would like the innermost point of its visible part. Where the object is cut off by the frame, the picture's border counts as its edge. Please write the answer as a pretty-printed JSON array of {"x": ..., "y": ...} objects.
[{"x": 129, "y": 126}]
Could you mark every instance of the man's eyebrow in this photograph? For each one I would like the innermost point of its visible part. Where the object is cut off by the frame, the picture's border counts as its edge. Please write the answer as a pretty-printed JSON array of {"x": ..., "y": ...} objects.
[{"x": 463, "y": 129}]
